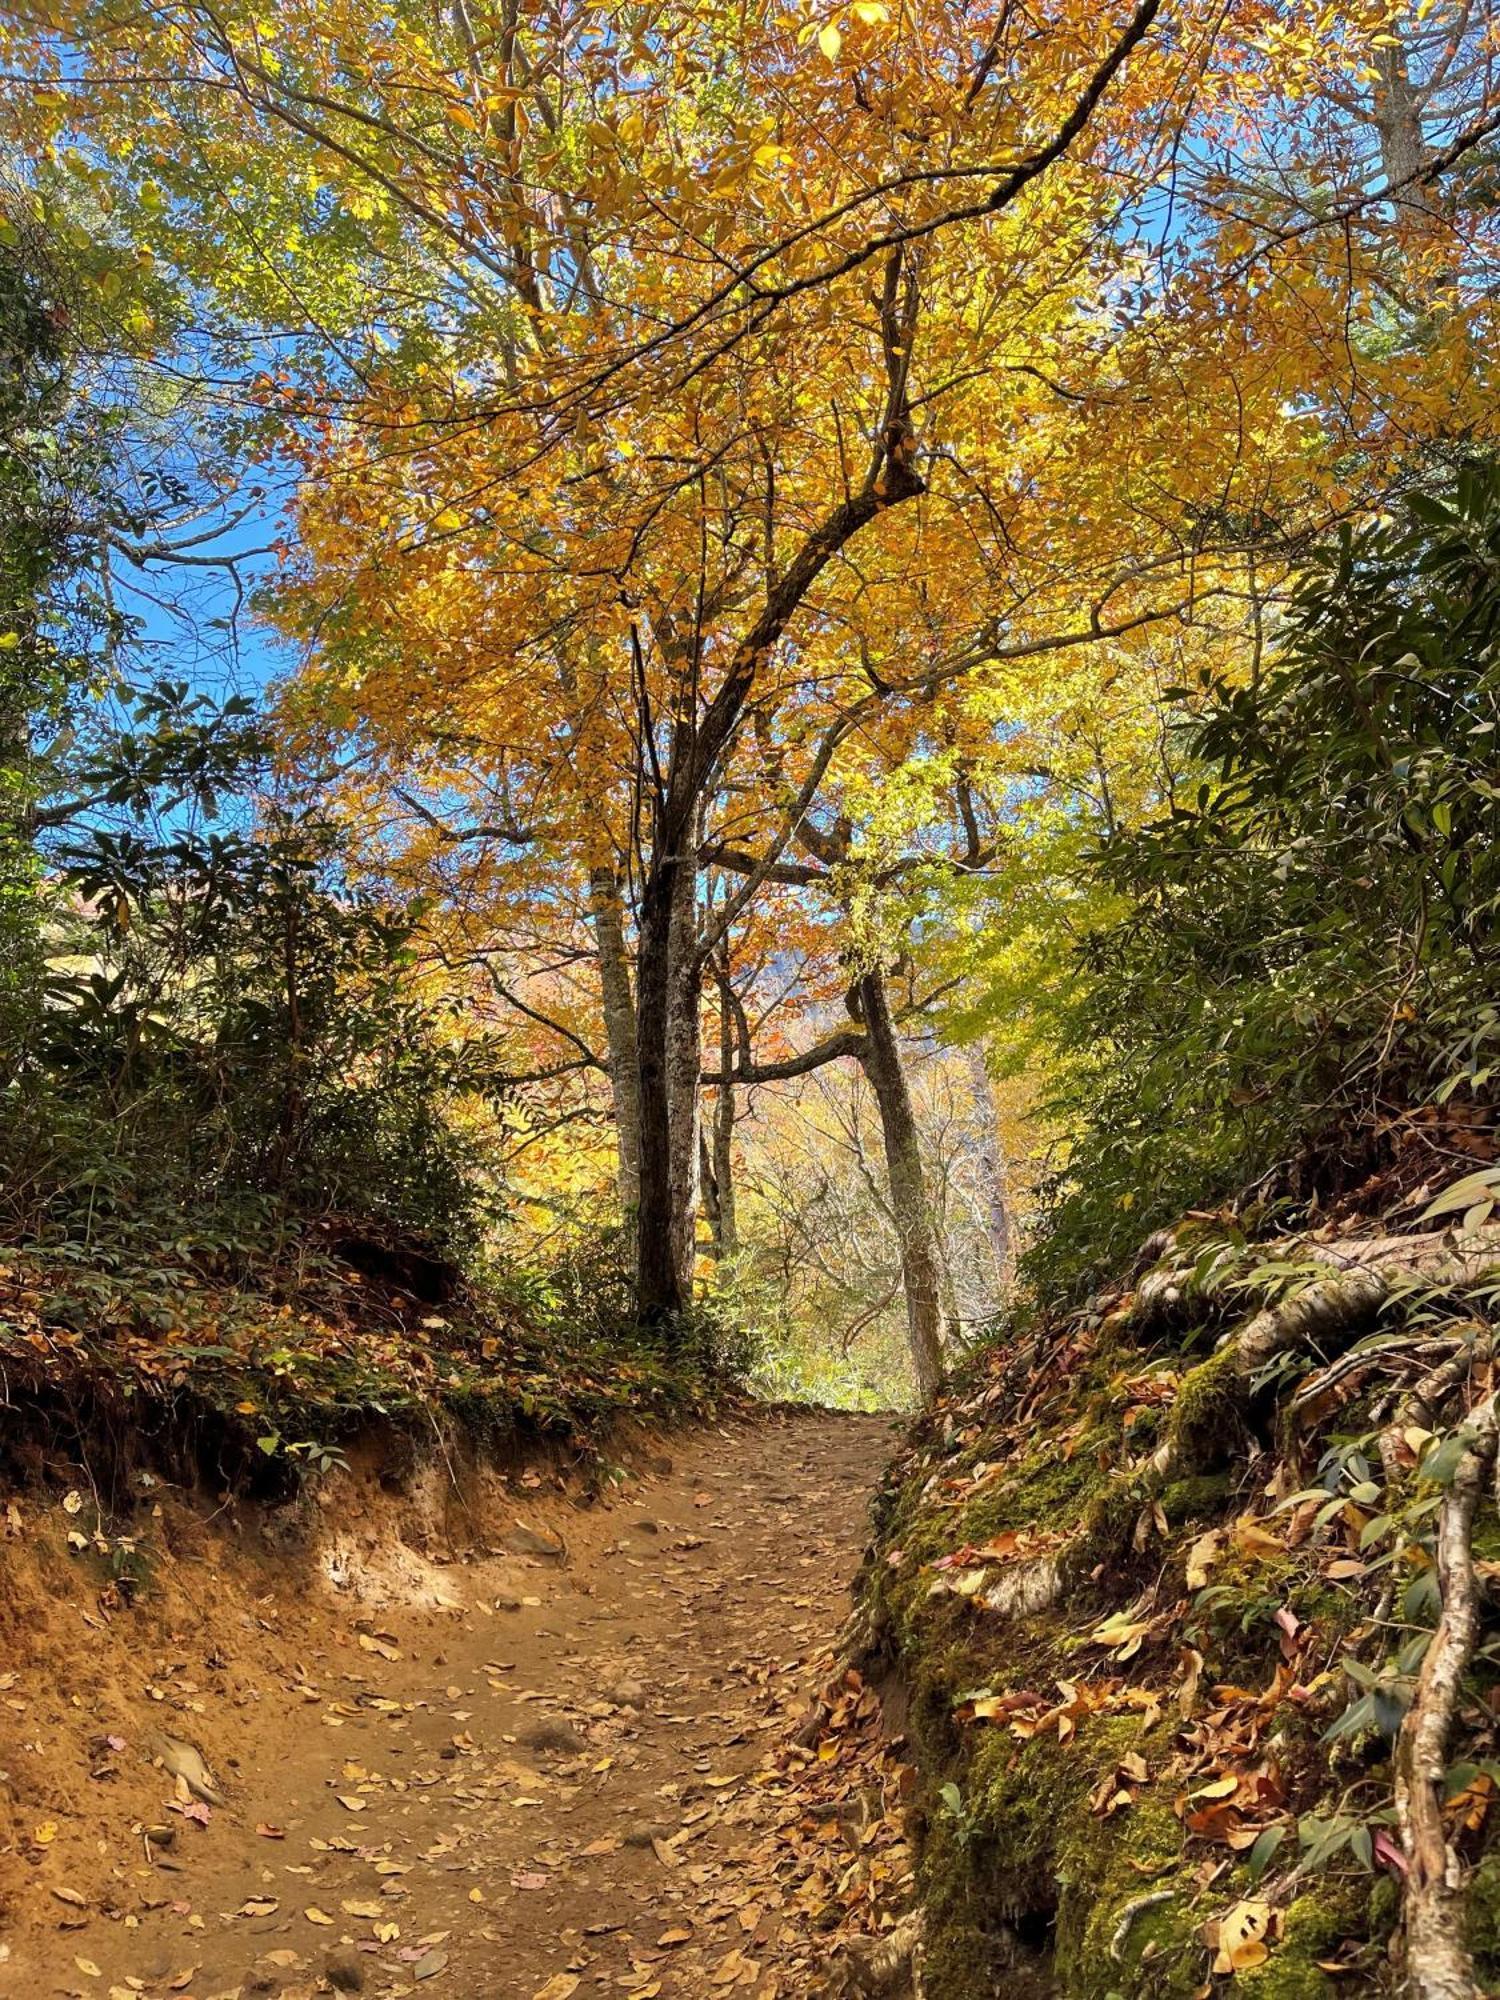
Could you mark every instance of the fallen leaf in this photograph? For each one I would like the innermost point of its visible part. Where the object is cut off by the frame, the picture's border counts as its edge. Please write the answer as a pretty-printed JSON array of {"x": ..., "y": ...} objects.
[
  {"x": 561, "y": 1986},
  {"x": 1242, "y": 1932},
  {"x": 1202, "y": 1556}
]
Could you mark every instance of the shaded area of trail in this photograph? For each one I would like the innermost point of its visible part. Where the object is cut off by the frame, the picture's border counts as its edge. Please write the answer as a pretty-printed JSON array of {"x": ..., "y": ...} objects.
[{"x": 564, "y": 1787}]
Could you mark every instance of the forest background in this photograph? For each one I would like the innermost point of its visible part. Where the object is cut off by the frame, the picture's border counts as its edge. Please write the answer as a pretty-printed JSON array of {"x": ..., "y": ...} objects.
[{"x": 691, "y": 663}]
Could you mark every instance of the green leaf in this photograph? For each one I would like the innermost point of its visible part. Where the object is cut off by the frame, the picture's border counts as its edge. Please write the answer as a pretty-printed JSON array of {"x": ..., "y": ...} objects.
[
  {"x": 1464, "y": 1194},
  {"x": 1264, "y": 1849}
]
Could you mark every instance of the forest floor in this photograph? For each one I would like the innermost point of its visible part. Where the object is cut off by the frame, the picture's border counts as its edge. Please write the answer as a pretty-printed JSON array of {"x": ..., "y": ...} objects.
[{"x": 587, "y": 1771}]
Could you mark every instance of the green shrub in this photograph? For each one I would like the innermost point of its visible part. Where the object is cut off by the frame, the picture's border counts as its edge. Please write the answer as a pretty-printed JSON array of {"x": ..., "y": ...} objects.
[{"x": 1305, "y": 948}]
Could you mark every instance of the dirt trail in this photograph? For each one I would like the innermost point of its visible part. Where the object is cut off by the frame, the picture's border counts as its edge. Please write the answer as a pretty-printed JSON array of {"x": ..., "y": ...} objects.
[{"x": 508, "y": 1800}]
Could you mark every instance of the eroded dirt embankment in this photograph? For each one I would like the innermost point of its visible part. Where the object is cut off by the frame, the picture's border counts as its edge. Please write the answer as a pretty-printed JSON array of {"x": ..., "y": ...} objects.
[{"x": 472, "y": 1738}]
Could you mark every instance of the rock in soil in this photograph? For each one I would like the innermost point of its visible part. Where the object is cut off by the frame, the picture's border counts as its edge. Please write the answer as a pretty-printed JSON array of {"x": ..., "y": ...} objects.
[
  {"x": 344, "y": 1972},
  {"x": 557, "y": 1738},
  {"x": 523, "y": 1541}
]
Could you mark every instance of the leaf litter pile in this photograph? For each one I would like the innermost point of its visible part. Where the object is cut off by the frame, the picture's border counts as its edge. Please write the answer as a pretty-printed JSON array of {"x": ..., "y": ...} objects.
[{"x": 614, "y": 1751}]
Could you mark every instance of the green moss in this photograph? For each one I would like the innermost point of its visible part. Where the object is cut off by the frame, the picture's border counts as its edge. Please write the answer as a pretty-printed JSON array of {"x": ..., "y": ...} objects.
[
  {"x": 1486, "y": 1541},
  {"x": 1482, "y": 1917},
  {"x": 1201, "y": 1497},
  {"x": 1027, "y": 1889},
  {"x": 1105, "y": 1868},
  {"x": 964, "y": 1944},
  {"x": 1325, "y": 1605},
  {"x": 1046, "y": 1489},
  {"x": 1313, "y": 1928},
  {"x": 1030, "y": 1854},
  {"x": 1205, "y": 1415}
]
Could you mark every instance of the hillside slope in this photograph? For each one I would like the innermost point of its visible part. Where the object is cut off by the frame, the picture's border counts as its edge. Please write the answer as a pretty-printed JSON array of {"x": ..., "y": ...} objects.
[{"x": 1187, "y": 1595}]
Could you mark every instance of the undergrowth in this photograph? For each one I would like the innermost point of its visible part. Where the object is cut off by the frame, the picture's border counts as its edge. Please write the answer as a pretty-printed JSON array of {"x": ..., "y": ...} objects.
[{"x": 254, "y": 1375}]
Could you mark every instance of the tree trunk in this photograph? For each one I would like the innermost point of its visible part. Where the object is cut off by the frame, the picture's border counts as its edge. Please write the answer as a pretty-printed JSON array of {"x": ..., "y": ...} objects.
[
  {"x": 921, "y": 1263},
  {"x": 992, "y": 1167},
  {"x": 684, "y": 1075},
  {"x": 708, "y": 1189},
  {"x": 619, "y": 1035},
  {"x": 723, "y": 1149},
  {"x": 659, "y": 1294},
  {"x": 668, "y": 1068},
  {"x": 1398, "y": 121}
]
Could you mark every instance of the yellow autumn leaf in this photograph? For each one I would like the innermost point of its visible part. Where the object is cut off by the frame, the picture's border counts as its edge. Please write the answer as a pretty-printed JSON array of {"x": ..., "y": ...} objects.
[
  {"x": 1242, "y": 1932},
  {"x": 1202, "y": 1556}
]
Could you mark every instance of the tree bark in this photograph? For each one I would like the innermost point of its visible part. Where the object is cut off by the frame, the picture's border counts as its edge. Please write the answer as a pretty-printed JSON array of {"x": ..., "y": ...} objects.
[
  {"x": 684, "y": 1070},
  {"x": 669, "y": 1063},
  {"x": 1438, "y": 1963},
  {"x": 1398, "y": 121},
  {"x": 709, "y": 1195},
  {"x": 921, "y": 1262},
  {"x": 619, "y": 1032},
  {"x": 992, "y": 1167},
  {"x": 727, "y": 1230},
  {"x": 659, "y": 1295}
]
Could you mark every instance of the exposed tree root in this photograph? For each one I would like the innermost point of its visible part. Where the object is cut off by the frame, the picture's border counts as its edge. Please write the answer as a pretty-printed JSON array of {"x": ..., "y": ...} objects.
[
  {"x": 1423, "y": 1404},
  {"x": 1170, "y": 1290},
  {"x": 1362, "y": 1274},
  {"x": 1395, "y": 1355},
  {"x": 885, "y": 1968},
  {"x": 1438, "y": 1966}
]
